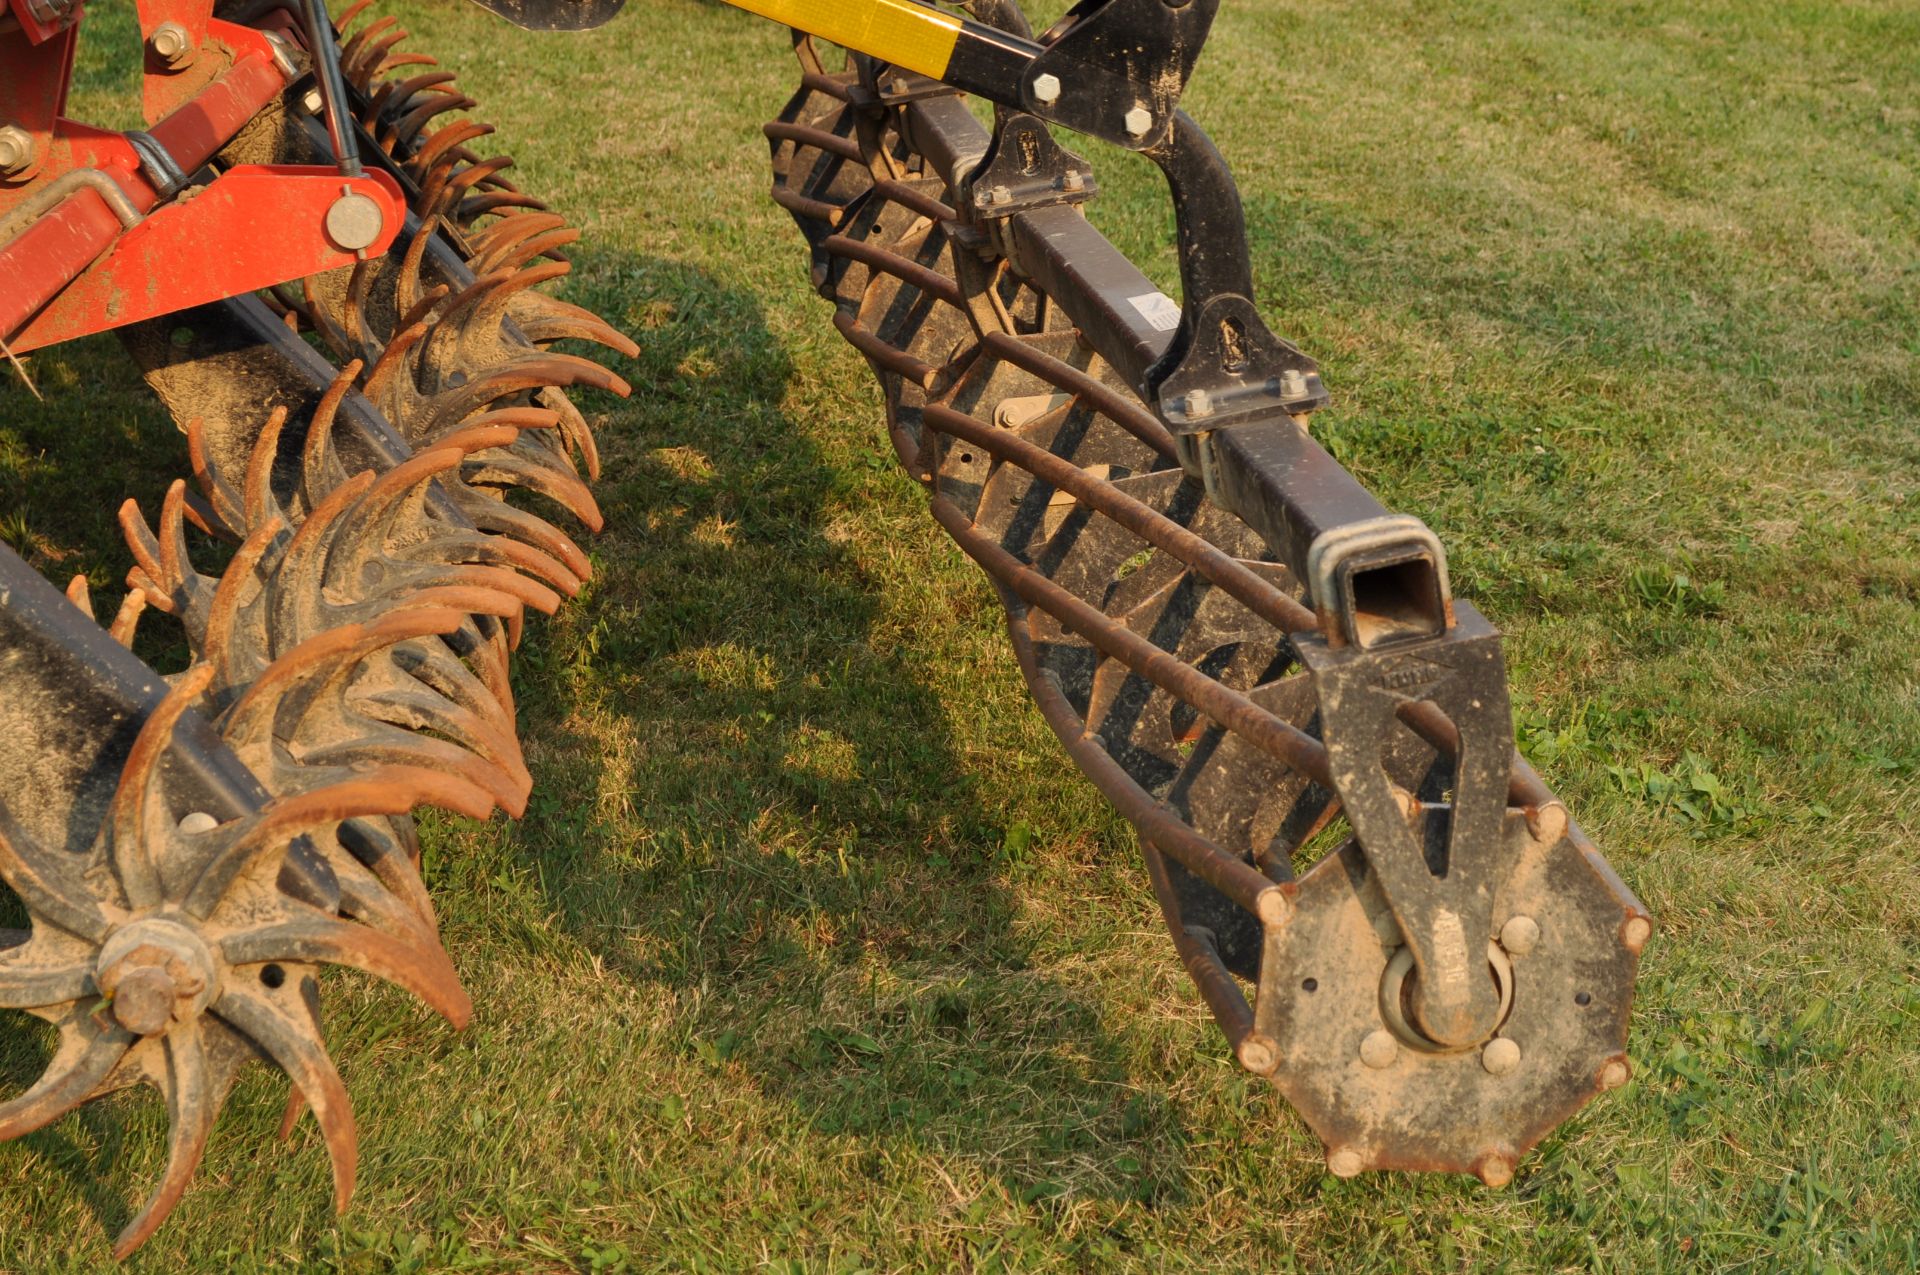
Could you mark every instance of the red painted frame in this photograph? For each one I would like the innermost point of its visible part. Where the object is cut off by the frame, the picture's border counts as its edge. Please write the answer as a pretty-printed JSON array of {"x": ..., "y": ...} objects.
[{"x": 76, "y": 268}]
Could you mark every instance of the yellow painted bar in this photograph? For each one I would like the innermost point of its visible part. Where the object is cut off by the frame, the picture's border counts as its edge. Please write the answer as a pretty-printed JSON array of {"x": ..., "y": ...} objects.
[{"x": 897, "y": 31}]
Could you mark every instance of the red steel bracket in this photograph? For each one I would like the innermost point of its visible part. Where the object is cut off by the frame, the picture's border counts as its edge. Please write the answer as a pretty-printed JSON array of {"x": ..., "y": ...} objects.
[{"x": 254, "y": 227}]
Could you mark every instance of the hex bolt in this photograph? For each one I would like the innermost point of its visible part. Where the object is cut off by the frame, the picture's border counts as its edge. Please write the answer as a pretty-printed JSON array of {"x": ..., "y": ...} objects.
[
  {"x": 1293, "y": 384},
  {"x": 1073, "y": 180},
  {"x": 1500, "y": 1056},
  {"x": 1345, "y": 1163},
  {"x": 1379, "y": 1049},
  {"x": 16, "y": 150},
  {"x": 1198, "y": 404},
  {"x": 171, "y": 45},
  {"x": 1046, "y": 89},
  {"x": 1613, "y": 1073},
  {"x": 1139, "y": 122},
  {"x": 1520, "y": 935},
  {"x": 1000, "y": 195},
  {"x": 311, "y": 101}
]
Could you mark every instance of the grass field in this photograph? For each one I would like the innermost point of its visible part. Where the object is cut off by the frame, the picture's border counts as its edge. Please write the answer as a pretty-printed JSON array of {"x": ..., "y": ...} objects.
[{"x": 813, "y": 954}]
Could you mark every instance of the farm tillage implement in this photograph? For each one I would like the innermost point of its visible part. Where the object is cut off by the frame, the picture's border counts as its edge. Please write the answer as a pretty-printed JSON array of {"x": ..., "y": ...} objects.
[{"x": 338, "y": 297}]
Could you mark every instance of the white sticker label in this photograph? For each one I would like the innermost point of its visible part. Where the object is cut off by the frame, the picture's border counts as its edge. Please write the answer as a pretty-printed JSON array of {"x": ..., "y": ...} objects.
[{"x": 1159, "y": 310}]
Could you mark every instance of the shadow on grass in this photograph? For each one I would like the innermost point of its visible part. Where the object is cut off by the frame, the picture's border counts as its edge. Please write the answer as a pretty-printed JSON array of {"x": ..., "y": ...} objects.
[{"x": 747, "y": 793}]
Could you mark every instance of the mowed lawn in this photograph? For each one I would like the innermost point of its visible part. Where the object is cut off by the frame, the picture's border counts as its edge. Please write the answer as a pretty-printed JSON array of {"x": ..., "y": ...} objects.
[{"x": 813, "y": 954}]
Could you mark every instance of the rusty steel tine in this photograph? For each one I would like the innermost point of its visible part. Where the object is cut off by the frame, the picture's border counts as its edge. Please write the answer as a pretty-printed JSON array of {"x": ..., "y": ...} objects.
[
  {"x": 191, "y": 1109},
  {"x": 127, "y": 618},
  {"x": 503, "y": 519},
  {"x": 69, "y": 1079},
  {"x": 250, "y": 719},
  {"x": 307, "y": 1063},
  {"x": 257, "y": 504},
  {"x": 350, "y": 63},
  {"x": 498, "y": 467},
  {"x": 446, "y": 138},
  {"x": 226, "y": 502},
  {"x": 423, "y": 970},
  {"x": 390, "y": 790},
  {"x": 44, "y": 885},
  {"x": 131, "y": 807}
]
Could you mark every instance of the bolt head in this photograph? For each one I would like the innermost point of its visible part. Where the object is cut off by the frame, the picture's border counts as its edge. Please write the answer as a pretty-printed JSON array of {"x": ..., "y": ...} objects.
[
  {"x": 1198, "y": 404},
  {"x": 1636, "y": 932},
  {"x": 171, "y": 45},
  {"x": 1613, "y": 1073},
  {"x": 1345, "y": 1163},
  {"x": 1257, "y": 1055},
  {"x": 1000, "y": 195},
  {"x": 1495, "y": 1169},
  {"x": 1500, "y": 1056},
  {"x": 1379, "y": 1049},
  {"x": 198, "y": 822},
  {"x": 16, "y": 150},
  {"x": 1138, "y": 121},
  {"x": 1046, "y": 89},
  {"x": 1293, "y": 384},
  {"x": 1520, "y": 935},
  {"x": 1074, "y": 180}
]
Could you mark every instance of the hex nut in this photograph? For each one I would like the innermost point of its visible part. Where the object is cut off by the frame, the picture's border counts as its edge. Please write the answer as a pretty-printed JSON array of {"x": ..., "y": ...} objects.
[
  {"x": 172, "y": 45},
  {"x": 1379, "y": 1049},
  {"x": 1520, "y": 935},
  {"x": 1293, "y": 384},
  {"x": 1500, "y": 1056},
  {"x": 1138, "y": 121},
  {"x": 1046, "y": 89},
  {"x": 16, "y": 150}
]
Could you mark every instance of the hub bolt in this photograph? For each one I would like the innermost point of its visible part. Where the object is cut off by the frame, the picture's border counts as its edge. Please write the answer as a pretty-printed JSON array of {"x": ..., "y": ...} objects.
[{"x": 16, "y": 150}]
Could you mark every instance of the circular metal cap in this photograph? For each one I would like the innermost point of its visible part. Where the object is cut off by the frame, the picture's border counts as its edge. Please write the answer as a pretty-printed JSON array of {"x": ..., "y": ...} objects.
[{"x": 354, "y": 222}]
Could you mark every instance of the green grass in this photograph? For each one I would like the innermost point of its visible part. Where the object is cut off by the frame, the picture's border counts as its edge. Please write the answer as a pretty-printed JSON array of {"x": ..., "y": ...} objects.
[{"x": 813, "y": 953}]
